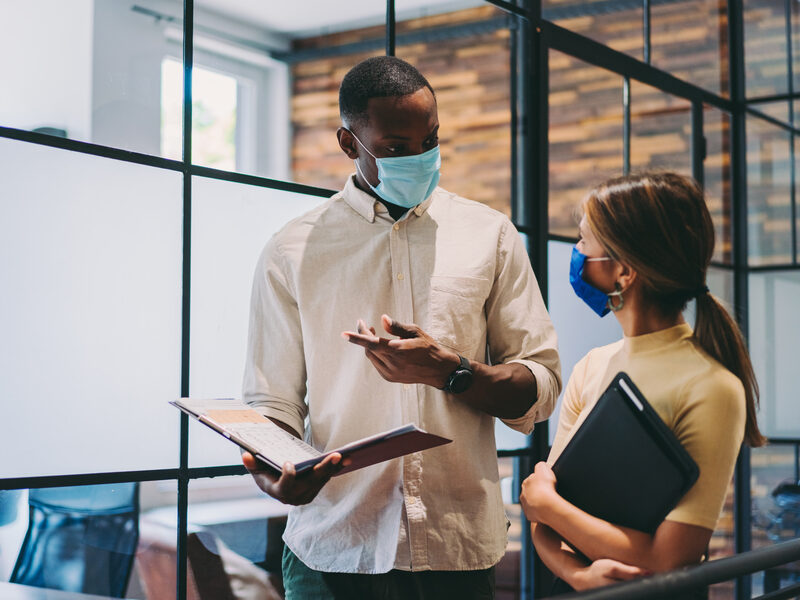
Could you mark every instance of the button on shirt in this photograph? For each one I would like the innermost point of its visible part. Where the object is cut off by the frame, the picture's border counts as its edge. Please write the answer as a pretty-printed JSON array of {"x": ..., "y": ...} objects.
[{"x": 459, "y": 270}]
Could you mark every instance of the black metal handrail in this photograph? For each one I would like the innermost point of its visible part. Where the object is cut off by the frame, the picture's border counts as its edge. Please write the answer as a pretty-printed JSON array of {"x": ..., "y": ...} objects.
[{"x": 674, "y": 583}]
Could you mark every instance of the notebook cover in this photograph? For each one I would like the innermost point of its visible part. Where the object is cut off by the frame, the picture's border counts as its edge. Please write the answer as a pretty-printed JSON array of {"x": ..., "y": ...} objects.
[{"x": 624, "y": 465}]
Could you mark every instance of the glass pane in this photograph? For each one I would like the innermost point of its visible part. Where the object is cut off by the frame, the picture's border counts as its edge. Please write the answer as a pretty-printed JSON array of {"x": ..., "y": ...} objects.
[
  {"x": 579, "y": 329},
  {"x": 79, "y": 539},
  {"x": 688, "y": 39},
  {"x": 776, "y": 110},
  {"x": 717, "y": 131},
  {"x": 233, "y": 544},
  {"x": 98, "y": 77},
  {"x": 765, "y": 51},
  {"x": 585, "y": 135},
  {"x": 661, "y": 130},
  {"x": 266, "y": 82},
  {"x": 231, "y": 223},
  {"x": 470, "y": 74},
  {"x": 91, "y": 273},
  {"x": 775, "y": 509},
  {"x": 507, "y": 571},
  {"x": 774, "y": 328},
  {"x": 769, "y": 193},
  {"x": 618, "y": 25}
]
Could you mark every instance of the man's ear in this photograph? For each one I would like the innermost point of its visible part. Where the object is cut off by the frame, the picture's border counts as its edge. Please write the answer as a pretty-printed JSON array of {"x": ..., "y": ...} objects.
[{"x": 347, "y": 143}]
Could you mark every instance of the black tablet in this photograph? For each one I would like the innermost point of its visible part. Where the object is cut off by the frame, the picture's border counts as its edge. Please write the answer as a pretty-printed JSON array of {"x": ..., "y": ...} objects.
[{"x": 624, "y": 465}]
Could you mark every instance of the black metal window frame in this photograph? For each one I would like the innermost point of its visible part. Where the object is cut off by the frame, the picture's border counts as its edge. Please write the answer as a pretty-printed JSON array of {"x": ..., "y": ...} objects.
[{"x": 532, "y": 38}]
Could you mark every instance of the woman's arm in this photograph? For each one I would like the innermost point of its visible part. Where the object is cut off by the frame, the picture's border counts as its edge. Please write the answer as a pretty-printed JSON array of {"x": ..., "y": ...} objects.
[
  {"x": 579, "y": 573},
  {"x": 673, "y": 544}
]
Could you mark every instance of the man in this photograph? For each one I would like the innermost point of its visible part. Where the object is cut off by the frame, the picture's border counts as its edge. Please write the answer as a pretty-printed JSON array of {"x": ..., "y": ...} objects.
[{"x": 468, "y": 339}]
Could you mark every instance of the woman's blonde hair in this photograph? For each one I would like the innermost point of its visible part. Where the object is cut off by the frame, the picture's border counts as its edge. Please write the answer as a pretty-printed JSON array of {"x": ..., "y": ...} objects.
[{"x": 658, "y": 223}]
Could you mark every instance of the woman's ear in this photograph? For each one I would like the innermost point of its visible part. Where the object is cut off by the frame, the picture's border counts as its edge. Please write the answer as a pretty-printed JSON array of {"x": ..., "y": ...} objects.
[
  {"x": 626, "y": 276},
  {"x": 347, "y": 143}
]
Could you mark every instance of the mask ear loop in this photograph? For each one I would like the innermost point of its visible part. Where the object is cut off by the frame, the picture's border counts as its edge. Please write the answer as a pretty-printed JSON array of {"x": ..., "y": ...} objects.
[{"x": 618, "y": 293}]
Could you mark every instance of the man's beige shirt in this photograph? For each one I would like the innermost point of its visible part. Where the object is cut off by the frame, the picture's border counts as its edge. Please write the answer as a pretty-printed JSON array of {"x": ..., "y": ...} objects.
[{"x": 459, "y": 270}]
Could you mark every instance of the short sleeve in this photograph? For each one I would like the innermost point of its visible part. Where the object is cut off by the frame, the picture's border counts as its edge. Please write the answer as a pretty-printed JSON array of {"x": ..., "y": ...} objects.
[
  {"x": 275, "y": 372},
  {"x": 571, "y": 407},
  {"x": 519, "y": 329},
  {"x": 710, "y": 425}
]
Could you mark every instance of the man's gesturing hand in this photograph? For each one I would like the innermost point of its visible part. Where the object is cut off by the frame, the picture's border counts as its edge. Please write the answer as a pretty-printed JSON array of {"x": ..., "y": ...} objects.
[
  {"x": 413, "y": 358},
  {"x": 288, "y": 488}
]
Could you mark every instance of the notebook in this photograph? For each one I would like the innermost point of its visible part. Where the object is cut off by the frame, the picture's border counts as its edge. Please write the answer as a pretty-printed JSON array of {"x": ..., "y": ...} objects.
[
  {"x": 273, "y": 446},
  {"x": 624, "y": 465}
]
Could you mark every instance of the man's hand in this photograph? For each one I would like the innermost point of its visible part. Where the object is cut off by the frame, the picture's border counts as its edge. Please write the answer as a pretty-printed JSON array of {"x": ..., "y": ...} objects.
[
  {"x": 538, "y": 491},
  {"x": 288, "y": 488},
  {"x": 604, "y": 572},
  {"x": 413, "y": 358}
]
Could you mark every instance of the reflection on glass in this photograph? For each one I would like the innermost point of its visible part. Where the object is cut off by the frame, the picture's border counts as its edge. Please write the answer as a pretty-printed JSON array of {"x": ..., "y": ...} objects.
[
  {"x": 774, "y": 328},
  {"x": 76, "y": 539},
  {"x": 769, "y": 193},
  {"x": 91, "y": 279},
  {"x": 585, "y": 135},
  {"x": 231, "y": 223},
  {"x": 717, "y": 131},
  {"x": 776, "y": 508},
  {"x": 507, "y": 578},
  {"x": 661, "y": 130},
  {"x": 470, "y": 74},
  {"x": 98, "y": 77},
  {"x": 688, "y": 39},
  {"x": 765, "y": 51},
  {"x": 233, "y": 545},
  {"x": 617, "y": 25}
]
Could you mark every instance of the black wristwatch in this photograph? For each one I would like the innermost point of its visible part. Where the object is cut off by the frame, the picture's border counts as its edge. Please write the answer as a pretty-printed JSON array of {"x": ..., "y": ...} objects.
[{"x": 460, "y": 380}]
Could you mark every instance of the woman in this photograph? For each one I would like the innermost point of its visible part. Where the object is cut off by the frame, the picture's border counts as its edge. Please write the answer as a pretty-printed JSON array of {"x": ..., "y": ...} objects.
[{"x": 646, "y": 242}]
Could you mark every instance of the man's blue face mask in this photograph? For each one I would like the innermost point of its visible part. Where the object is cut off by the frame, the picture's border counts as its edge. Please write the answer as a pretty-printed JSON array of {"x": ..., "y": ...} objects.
[
  {"x": 596, "y": 299},
  {"x": 405, "y": 180}
]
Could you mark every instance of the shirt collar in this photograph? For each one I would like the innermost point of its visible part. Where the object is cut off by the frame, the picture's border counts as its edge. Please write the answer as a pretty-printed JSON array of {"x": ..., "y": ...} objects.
[{"x": 367, "y": 206}]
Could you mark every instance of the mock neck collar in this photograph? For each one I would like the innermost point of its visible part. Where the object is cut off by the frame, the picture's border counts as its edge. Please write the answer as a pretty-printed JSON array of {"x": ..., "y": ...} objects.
[{"x": 656, "y": 339}]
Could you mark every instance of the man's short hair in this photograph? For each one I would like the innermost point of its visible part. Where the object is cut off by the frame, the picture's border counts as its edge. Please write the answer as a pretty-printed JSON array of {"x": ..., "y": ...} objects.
[{"x": 376, "y": 77}]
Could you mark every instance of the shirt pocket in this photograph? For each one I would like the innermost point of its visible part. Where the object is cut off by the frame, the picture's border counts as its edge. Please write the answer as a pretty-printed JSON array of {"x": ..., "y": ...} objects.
[{"x": 457, "y": 311}]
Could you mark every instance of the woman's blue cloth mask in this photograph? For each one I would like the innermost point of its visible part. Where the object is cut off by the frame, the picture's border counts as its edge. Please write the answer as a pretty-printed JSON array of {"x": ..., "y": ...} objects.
[
  {"x": 596, "y": 299},
  {"x": 405, "y": 180}
]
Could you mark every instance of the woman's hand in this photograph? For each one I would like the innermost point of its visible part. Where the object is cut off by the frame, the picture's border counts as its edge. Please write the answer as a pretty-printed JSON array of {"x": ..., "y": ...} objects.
[
  {"x": 604, "y": 572},
  {"x": 539, "y": 493}
]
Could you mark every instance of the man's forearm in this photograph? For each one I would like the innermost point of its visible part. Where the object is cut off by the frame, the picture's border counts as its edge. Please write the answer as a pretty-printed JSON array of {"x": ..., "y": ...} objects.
[{"x": 506, "y": 391}]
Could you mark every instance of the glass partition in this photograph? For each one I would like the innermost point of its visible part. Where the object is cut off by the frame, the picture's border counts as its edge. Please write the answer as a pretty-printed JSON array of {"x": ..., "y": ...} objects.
[
  {"x": 231, "y": 224},
  {"x": 769, "y": 193},
  {"x": 90, "y": 312},
  {"x": 98, "y": 76},
  {"x": 774, "y": 332},
  {"x": 661, "y": 130},
  {"x": 689, "y": 40},
  {"x": 585, "y": 135}
]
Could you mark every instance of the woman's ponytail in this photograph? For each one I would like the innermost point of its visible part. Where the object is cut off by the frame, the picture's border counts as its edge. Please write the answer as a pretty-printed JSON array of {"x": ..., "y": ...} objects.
[
  {"x": 659, "y": 224},
  {"x": 719, "y": 335}
]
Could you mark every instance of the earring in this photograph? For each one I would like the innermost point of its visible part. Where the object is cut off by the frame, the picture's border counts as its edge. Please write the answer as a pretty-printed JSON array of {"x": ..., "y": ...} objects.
[{"x": 618, "y": 293}]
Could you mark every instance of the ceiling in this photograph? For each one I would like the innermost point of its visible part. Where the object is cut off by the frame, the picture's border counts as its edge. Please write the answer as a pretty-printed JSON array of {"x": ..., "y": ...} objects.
[{"x": 301, "y": 18}]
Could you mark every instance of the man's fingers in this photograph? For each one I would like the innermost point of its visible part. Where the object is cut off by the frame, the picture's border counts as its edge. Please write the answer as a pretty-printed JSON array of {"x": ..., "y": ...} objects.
[{"x": 401, "y": 330}]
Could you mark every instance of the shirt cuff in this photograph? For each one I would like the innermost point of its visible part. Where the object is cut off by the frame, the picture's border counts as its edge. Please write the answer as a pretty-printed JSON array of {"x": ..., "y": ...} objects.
[{"x": 547, "y": 391}]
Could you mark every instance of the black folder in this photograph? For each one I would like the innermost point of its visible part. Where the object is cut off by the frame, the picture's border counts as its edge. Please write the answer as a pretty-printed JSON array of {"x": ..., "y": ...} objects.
[{"x": 624, "y": 465}]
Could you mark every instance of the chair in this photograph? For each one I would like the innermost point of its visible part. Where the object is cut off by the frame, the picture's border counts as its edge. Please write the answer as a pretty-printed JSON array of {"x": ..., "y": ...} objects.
[{"x": 80, "y": 539}]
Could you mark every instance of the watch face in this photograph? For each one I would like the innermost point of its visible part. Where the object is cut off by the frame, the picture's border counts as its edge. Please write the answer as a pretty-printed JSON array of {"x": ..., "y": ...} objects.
[{"x": 460, "y": 381}]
